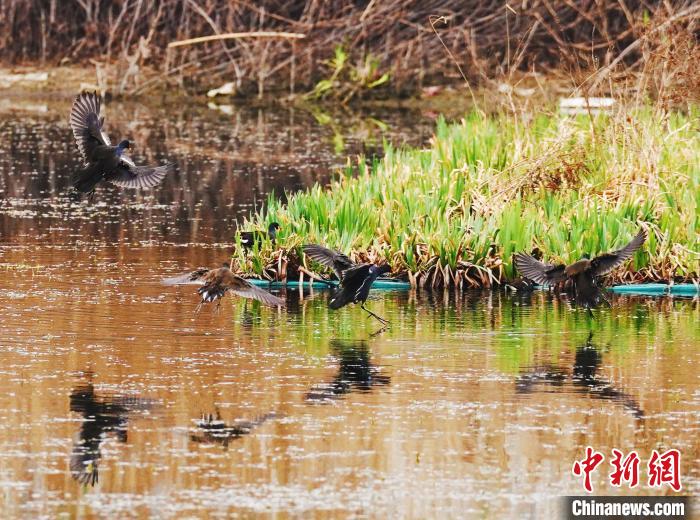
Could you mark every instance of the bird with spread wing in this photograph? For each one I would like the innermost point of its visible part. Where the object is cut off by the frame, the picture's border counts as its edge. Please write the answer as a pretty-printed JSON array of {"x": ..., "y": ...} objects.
[
  {"x": 102, "y": 161},
  {"x": 355, "y": 279},
  {"x": 582, "y": 273},
  {"x": 217, "y": 282}
]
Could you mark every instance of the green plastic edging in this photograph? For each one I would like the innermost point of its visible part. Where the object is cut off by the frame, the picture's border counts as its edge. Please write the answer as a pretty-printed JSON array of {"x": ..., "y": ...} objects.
[
  {"x": 378, "y": 284},
  {"x": 683, "y": 289}
]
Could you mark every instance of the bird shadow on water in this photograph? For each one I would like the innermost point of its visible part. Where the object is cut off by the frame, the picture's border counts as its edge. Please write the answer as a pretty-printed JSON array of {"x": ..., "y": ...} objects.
[
  {"x": 102, "y": 415},
  {"x": 583, "y": 379},
  {"x": 380, "y": 330},
  {"x": 212, "y": 429},
  {"x": 356, "y": 372}
]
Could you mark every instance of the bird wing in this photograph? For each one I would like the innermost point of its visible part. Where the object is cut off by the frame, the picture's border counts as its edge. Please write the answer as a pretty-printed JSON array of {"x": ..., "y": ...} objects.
[
  {"x": 333, "y": 259},
  {"x": 543, "y": 274},
  {"x": 606, "y": 262},
  {"x": 189, "y": 278},
  {"x": 351, "y": 285},
  {"x": 247, "y": 238},
  {"x": 128, "y": 175},
  {"x": 86, "y": 123},
  {"x": 356, "y": 274},
  {"x": 243, "y": 288}
]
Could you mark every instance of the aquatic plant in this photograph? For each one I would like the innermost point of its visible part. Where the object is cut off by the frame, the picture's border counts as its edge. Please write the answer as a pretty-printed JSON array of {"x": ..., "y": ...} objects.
[
  {"x": 348, "y": 80},
  {"x": 488, "y": 186}
]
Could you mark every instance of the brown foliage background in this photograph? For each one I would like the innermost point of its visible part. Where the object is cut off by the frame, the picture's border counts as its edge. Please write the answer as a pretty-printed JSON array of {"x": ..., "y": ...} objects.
[{"x": 409, "y": 38}]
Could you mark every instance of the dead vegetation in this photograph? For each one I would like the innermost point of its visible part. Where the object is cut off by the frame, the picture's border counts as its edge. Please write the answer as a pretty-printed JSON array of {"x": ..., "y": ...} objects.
[{"x": 413, "y": 43}]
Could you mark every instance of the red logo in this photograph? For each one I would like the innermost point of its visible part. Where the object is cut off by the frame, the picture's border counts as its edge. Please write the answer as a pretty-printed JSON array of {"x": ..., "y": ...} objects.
[
  {"x": 586, "y": 466},
  {"x": 626, "y": 469},
  {"x": 665, "y": 469}
]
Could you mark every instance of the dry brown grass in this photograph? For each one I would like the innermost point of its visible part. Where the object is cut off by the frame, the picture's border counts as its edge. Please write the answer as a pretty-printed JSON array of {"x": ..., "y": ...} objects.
[{"x": 417, "y": 43}]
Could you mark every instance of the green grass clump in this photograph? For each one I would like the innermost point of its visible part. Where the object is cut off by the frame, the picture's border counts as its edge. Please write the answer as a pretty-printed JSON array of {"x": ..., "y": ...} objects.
[{"x": 455, "y": 212}]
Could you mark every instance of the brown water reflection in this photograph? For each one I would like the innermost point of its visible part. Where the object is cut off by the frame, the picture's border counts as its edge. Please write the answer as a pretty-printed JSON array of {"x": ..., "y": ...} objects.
[
  {"x": 583, "y": 378},
  {"x": 227, "y": 165},
  {"x": 474, "y": 404},
  {"x": 356, "y": 372}
]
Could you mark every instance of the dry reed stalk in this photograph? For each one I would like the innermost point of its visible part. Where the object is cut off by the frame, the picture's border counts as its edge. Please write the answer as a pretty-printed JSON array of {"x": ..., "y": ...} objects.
[
  {"x": 415, "y": 42},
  {"x": 234, "y": 36}
]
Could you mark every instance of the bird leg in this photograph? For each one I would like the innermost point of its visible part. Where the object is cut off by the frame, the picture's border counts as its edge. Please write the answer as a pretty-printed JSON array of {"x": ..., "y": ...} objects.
[
  {"x": 198, "y": 308},
  {"x": 381, "y": 320},
  {"x": 379, "y": 331},
  {"x": 218, "y": 306}
]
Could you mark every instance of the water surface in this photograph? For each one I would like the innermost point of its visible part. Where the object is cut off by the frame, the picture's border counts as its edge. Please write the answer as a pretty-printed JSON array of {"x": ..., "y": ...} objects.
[
  {"x": 117, "y": 400},
  {"x": 227, "y": 165}
]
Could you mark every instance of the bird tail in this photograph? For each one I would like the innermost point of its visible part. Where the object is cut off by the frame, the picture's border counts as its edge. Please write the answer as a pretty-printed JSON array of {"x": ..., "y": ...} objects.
[
  {"x": 588, "y": 295},
  {"x": 211, "y": 292},
  {"x": 341, "y": 298},
  {"x": 86, "y": 179}
]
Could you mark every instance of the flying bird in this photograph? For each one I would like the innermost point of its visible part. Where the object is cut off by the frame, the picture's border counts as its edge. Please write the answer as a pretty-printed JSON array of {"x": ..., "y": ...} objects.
[
  {"x": 582, "y": 273},
  {"x": 217, "y": 282},
  {"x": 101, "y": 160},
  {"x": 355, "y": 279},
  {"x": 249, "y": 238}
]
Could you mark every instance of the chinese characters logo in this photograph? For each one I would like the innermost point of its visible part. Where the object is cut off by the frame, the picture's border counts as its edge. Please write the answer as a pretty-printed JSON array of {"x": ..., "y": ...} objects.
[{"x": 662, "y": 468}]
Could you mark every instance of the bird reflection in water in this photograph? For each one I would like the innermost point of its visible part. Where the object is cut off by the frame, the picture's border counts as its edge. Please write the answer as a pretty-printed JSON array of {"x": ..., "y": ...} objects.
[
  {"x": 213, "y": 429},
  {"x": 582, "y": 379},
  {"x": 355, "y": 372},
  {"x": 102, "y": 415}
]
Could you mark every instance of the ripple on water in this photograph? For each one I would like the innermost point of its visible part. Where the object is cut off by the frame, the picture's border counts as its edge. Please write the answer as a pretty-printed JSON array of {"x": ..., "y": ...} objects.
[{"x": 469, "y": 406}]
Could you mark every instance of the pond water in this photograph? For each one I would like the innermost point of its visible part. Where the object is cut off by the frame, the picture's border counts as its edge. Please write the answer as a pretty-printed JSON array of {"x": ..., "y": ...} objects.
[{"x": 117, "y": 400}]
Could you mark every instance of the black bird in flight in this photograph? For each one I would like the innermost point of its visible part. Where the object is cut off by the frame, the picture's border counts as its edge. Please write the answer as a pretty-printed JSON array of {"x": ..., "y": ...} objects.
[
  {"x": 355, "y": 279},
  {"x": 216, "y": 282},
  {"x": 101, "y": 160},
  {"x": 582, "y": 273},
  {"x": 249, "y": 238}
]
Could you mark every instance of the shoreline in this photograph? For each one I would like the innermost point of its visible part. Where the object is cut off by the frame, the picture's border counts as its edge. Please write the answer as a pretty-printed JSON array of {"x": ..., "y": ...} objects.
[
  {"x": 22, "y": 86},
  {"x": 444, "y": 257},
  {"x": 393, "y": 284},
  {"x": 453, "y": 215}
]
